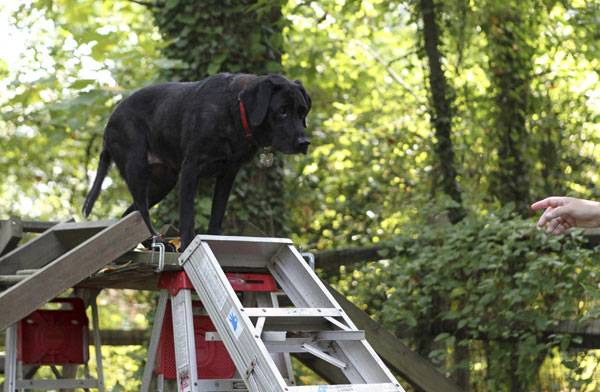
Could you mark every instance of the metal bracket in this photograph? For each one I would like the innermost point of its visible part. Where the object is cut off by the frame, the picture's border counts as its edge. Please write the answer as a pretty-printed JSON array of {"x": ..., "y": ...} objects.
[
  {"x": 161, "y": 253},
  {"x": 309, "y": 256},
  {"x": 250, "y": 368}
]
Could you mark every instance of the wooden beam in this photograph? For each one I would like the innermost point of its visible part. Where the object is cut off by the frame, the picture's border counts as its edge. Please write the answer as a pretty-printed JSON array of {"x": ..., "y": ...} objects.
[
  {"x": 588, "y": 331},
  {"x": 71, "y": 268},
  {"x": 11, "y": 232},
  {"x": 72, "y": 234},
  {"x": 34, "y": 254},
  {"x": 399, "y": 357},
  {"x": 31, "y": 226},
  {"x": 331, "y": 260},
  {"x": 50, "y": 244}
]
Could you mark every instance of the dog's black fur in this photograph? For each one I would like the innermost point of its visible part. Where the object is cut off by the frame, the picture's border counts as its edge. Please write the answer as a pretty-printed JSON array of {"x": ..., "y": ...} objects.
[{"x": 195, "y": 129}]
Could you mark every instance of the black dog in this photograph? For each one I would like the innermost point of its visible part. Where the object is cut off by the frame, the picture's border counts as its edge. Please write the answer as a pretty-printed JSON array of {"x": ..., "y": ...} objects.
[{"x": 201, "y": 129}]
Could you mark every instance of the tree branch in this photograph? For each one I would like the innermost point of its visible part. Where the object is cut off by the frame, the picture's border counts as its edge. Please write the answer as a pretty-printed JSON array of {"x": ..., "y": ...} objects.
[{"x": 389, "y": 69}]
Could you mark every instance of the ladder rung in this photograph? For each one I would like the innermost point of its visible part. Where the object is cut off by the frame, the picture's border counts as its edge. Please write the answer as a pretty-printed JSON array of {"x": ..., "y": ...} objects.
[
  {"x": 380, "y": 387},
  {"x": 280, "y": 336},
  {"x": 291, "y": 312},
  {"x": 27, "y": 271},
  {"x": 317, "y": 352},
  {"x": 9, "y": 280}
]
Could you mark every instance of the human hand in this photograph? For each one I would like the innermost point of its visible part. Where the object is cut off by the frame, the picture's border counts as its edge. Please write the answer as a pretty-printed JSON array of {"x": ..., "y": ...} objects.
[{"x": 563, "y": 213}]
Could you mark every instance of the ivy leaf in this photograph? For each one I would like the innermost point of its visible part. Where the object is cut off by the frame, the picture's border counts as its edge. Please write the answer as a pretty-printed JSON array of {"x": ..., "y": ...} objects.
[{"x": 170, "y": 4}]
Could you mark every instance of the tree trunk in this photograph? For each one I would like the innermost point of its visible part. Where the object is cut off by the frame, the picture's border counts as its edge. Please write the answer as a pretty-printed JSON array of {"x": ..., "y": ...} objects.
[
  {"x": 442, "y": 120},
  {"x": 441, "y": 111},
  {"x": 510, "y": 67}
]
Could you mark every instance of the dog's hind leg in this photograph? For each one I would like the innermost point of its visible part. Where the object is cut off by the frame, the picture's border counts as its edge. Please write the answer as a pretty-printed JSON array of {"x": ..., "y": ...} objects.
[
  {"x": 163, "y": 180},
  {"x": 134, "y": 168}
]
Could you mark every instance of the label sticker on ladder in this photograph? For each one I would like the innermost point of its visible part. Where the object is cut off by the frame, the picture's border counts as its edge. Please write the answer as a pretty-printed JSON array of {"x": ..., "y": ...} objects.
[
  {"x": 212, "y": 283},
  {"x": 234, "y": 322},
  {"x": 185, "y": 384},
  {"x": 336, "y": 388}
]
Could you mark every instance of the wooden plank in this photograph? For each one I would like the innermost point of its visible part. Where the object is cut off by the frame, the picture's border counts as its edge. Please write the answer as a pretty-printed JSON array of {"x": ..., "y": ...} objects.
[
  {"x": 11, "y": 232},
  {"x": 72, "y": 234},
  {"x": 50, "y": 244},
  {"x": 132, "y": 276},
  {"x": 71, "y": 268},
  {"x": 34, "y": 254},
  {"x": 399, "y": 357},
  {"x": 31, "y": 226}
]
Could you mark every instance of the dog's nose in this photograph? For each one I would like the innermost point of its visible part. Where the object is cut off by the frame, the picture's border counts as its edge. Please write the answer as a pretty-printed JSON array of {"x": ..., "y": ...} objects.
[{"x": 303, "y": 144}]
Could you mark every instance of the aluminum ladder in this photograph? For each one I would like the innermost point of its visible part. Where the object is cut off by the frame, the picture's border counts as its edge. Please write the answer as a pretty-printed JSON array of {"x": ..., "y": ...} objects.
[{"x": 315, "y": 324}]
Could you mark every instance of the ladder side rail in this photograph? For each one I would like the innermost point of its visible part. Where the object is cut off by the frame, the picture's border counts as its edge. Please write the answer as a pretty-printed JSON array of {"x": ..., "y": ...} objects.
[
  {"x": 97, "y": 345},
  {"x": 355, "y": 355},
  {"x": 242, "y": 348},
  {"x": 184, "y": 340},
  {"x": 286, "y": 266},
  {"x": 10, "y": 362},
  {"x": 298, "y": 281},
  {"x": 220, "y": 301},
  {"x": 357, "y": 352},
  {"x": 381, "y": 387},
  {"x": 154, "y": 340}
]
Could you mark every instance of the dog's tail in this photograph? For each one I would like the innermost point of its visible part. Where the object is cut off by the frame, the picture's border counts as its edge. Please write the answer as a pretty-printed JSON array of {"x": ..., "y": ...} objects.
[{"x": 101, "y": 172}]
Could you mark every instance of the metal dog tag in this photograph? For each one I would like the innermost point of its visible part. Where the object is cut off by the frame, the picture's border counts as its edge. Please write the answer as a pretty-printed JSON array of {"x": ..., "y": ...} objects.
[{"x": 266, "y": 158}]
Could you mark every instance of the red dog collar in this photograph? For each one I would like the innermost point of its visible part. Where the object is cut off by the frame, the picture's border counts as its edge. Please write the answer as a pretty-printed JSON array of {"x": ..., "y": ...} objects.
[{"x": 244, "y": 121}]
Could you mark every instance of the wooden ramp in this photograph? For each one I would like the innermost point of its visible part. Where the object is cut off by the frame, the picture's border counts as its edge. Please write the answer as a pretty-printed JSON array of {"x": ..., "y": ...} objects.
[{"x": 61, "y": 257}]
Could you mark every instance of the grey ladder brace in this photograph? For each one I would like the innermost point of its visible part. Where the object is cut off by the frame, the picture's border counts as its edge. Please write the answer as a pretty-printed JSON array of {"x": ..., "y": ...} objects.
[{"x": 315, "y": 324}]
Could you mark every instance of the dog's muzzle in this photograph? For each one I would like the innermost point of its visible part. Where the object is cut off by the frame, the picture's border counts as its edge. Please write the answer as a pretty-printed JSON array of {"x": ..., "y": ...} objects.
[{"x": 302, "y": 145}]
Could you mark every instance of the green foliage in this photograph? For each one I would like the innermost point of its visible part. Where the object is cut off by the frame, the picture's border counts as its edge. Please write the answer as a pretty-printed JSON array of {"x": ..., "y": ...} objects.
[
  {"x": 493, "y": 276},
  {"x": 371, "y": 175},
  {"x": 59, "y": 97},
  {"x": 220, "y": 36}
]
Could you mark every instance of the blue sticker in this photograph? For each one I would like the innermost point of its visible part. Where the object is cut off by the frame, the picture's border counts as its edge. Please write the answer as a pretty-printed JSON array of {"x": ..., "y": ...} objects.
[{"x": 234, "y": 322}]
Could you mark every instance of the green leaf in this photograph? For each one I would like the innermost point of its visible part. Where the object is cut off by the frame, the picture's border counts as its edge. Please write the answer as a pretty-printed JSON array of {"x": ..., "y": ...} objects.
[
  {"x": 170, "y": 4},
  {"x": 81, "y": 83}
]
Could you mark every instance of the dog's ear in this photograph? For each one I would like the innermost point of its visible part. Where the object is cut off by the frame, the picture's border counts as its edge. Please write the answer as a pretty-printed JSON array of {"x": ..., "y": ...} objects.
[
  {"x": 306, "y": 98},
  {"x": 256, "y": 98}
]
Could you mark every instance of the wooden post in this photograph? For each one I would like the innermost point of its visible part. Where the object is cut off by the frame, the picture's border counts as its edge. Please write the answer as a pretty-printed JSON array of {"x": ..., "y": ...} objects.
[{"x": 11, "y": 232}]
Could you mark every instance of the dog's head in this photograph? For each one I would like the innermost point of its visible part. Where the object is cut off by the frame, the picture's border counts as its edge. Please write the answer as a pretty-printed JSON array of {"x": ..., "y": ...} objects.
[{"x": 277, "y": 109}]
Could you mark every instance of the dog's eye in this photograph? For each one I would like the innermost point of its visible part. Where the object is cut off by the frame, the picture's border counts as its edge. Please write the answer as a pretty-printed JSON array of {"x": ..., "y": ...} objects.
[{"x": 282, "y": 111}]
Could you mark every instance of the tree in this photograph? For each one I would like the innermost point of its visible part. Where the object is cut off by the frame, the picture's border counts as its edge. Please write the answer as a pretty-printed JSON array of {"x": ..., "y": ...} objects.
[
  {"x": 524, "y": 124},
  {"x": 441, "y": 111},
  {"x": 510, "y": 54}
]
